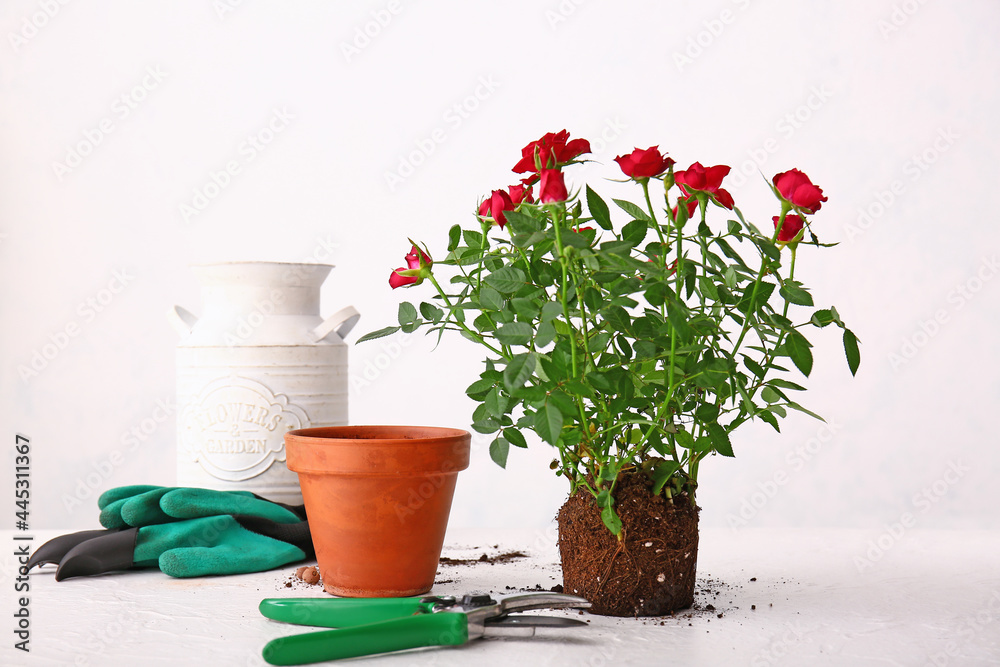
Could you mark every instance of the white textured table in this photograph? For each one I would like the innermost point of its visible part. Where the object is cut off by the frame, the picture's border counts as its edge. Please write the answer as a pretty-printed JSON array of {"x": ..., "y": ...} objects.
[{"x": 821, "y": 597}]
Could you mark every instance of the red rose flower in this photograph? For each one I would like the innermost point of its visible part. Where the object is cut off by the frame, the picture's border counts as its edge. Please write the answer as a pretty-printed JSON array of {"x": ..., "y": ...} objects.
[
  {"x": 414, "y": 257},
  {"x": 796, "y": 188},
  {"x": 644, "y": 163},
  {"x": 494, "y": 206},
  {"x": 552, "y": 150},
  {"x": 697, "y": 177},
  {"x": 553, "y": 187},
  {"x": 790, "y": 228},
  {"x": 396, "y": 279},
  {"x": 417, "y": 267},
  {"x": 520, "y": 193}
]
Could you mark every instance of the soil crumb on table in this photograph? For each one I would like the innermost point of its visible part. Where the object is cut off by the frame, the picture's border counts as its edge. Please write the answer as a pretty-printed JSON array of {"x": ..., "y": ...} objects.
[{"x": 484, "y": 558}]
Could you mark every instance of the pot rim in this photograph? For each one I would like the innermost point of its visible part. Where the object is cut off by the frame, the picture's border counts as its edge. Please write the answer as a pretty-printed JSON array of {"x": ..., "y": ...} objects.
[
  {"x": 364, "y": 449},
  {"x": 330, "y": 435}
]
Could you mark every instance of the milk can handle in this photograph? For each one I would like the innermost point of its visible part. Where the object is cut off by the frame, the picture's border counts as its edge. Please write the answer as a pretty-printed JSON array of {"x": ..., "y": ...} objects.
[
  {"x": 340, "y": 322},
  {"x": 182, "y": 320}
]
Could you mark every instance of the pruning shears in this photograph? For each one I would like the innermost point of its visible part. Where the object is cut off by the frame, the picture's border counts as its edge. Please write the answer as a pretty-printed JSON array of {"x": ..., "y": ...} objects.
[{"x": 367, "y": 626}]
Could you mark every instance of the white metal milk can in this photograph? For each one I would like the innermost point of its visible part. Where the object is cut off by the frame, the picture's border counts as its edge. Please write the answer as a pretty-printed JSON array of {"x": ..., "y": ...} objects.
[{"x": 259, "y": 362}]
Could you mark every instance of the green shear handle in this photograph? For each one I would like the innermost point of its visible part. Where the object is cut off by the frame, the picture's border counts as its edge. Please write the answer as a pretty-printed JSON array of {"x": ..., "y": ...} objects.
[
  {"x": 342, "y": 612},
  {"x": 442, "y": 629}
]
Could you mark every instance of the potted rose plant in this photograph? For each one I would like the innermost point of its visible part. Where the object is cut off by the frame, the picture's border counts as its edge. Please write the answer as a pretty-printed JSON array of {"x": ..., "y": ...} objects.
[{"x": 634, "y": 344}]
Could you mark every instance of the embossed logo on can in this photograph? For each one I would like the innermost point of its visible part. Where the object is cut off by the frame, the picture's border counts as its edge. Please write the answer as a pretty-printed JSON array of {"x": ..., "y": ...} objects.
[{"x": 235, "y": 428}]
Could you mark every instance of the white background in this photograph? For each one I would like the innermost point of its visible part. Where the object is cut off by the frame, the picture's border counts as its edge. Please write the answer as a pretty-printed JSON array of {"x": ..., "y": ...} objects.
[{"x": 889, "y": 106}]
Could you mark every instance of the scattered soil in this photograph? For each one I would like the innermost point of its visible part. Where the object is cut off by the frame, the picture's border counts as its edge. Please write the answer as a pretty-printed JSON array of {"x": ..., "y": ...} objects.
[
  {"x": 650, "y": 571},
  {"x": 489, "y": 560}
]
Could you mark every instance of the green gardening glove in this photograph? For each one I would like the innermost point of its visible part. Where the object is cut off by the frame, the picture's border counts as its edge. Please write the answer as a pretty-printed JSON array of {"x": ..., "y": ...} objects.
[
  {"x": 185, "y": 532},
  {"x": 142, "y": 505}
]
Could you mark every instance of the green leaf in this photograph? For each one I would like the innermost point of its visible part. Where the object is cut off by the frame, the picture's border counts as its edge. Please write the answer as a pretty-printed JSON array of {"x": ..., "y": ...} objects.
[
  {"x": 798, "y": 349},
  {"x": 598, "y": 209},
  {"x": 634, "y": 232},
  {"x": 507, "y": 279},
  {"x": 496, "y": 403},
  {"x": 728, "y": 251},
  {"x": 770, "y": 419},
  {"x": 499, "y": 449},
  {"x": 752, "y": 300},
  {"x": 490, "y": 299},
  {"x": 407, "y": 313},
  {"x": 852, "y": 351},
  {"x": 454, "y": 237},
  {"x": 785, "y": 384},
  {"x": 479, "y": 387},
  {"x": 551, "y": 310},
  {"x": 618, "y": 318},
  {"x": 822, "y": 318},
  {"x": 662, "y": 474},
  {"x": 679, "y": 322},
  {"x": 472, "y": 239},
  {"x": 518, "y": 370},
  {"x": 521, "y": 221},
  {"x": 684, "y": 439},
  {"x": 796, "y": 406},
  {"x": 754, "y": 367},
  {"x": 526, "y": 309},
  {"x": 485, "y": 426},
  {"x": 514, "y": 333},
  {"x": 545, "y": 334},
  {"x": 707, "y": 412},
  {"x": 548, "y": 423},
  {"x": 632, "y": 210},
  {"x": 611, "y": 520},
  {"x": 720, "y": 439},
  {"x": 378, "y": 334},
  {"x": 770, "y": 395},
  {"x": 431, "y": 312},
  {"x": 515, "y": 438},
  {"x": 793, "y": 292}
]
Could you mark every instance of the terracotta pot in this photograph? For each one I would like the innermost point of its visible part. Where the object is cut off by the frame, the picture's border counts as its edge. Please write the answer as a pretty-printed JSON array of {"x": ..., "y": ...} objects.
[
  {"x": 650, "y": 571},
  {"x": 378, "y": 499}
]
